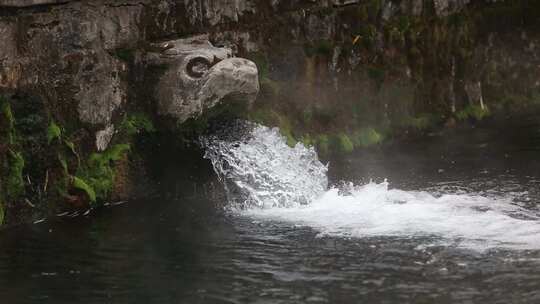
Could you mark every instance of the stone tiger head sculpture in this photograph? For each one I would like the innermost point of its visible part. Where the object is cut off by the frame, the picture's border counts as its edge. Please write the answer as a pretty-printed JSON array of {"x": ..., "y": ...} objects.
[{"x": 197, "y": 76}]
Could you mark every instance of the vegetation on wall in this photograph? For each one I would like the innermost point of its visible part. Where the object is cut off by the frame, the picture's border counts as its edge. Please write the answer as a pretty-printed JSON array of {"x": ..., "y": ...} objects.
[
  {"x": 11, "y": 159},
  {"x": 372, "y": 78},
  {"x": 46, "y": 167},
  {"x": 94, "y": 174}
]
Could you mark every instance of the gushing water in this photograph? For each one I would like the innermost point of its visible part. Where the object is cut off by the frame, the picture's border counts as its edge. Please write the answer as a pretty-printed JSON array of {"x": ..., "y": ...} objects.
[
  {"x": 260, "y": 170},
  {"x": 268, "y": 180}
]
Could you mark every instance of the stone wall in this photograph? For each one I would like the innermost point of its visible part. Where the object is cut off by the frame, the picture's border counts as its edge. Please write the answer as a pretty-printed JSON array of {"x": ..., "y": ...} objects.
[{"x": 343, "y": 73}]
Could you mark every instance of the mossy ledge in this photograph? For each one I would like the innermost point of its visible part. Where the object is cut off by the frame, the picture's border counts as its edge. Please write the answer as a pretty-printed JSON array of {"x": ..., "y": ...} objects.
[{"x": 46, "y": 167}]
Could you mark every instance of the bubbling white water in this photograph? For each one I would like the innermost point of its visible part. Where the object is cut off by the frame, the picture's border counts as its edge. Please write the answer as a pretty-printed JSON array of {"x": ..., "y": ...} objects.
[
  {"x": 373, "y": 210},
  {"x": 260, "y": 170},
  {"x": 275, "y": 182}
]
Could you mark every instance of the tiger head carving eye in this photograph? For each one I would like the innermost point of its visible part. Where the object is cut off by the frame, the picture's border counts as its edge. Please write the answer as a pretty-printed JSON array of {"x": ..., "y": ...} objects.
[{"x": 198, "y": 66}]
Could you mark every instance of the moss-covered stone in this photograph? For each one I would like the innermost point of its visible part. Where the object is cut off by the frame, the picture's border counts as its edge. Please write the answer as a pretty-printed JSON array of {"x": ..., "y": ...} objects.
[
  {"x": 135, "y": 123},
  {"x": 14, "y": 179},
  {"x": 366, "y": 137},
  {"x": 343, "y": 143},
  {"x": 474, "y": 112},
  {"x": 323, "y": 144},
  {"x": 7, "y": 122},
  {"x": 98, "y": 171}
]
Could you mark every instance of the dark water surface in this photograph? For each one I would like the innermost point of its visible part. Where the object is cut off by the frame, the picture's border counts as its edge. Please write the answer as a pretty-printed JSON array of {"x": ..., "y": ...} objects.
[{"x": 180, "y": 252}]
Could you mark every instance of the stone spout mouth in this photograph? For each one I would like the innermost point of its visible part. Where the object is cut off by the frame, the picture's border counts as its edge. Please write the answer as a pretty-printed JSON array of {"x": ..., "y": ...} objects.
[{"x": 233, "y": 77}]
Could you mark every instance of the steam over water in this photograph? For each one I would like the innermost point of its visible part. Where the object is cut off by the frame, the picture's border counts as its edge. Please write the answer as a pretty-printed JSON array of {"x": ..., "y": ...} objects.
[{"x": 270, "y": 181}]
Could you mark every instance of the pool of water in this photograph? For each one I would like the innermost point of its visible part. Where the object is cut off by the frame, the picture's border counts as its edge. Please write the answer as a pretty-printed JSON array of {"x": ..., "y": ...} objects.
[{"x": 183, "y": 251}]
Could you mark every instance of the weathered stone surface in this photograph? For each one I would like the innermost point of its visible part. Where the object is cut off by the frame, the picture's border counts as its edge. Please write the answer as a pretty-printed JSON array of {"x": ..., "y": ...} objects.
[
  {"x": 446, "y": 7},
  {"x": 76, "y": 51},
  {"x": 101, "y": 91},
  {"x": 26, "y": 3},
  {"x": 10, "y": 71},
  {"x": 215, "y": 12},
  {"x": 199, "y": 76}
]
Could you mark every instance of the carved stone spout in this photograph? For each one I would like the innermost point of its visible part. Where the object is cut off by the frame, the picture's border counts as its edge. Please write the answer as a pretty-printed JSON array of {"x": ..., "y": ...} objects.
[{"x": 198, "y": 76}]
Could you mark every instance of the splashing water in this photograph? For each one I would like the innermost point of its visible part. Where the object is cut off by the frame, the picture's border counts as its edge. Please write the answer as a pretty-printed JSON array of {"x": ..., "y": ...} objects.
[
  {"x": 260, "y": 170},
  {"x": 268, "y": 180}
]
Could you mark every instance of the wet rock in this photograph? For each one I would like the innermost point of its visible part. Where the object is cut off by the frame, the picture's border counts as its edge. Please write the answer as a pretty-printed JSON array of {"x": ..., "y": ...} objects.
[{"x": 101, "y": 91}]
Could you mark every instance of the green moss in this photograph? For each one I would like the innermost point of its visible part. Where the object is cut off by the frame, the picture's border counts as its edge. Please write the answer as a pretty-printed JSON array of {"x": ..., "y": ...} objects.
[
  {"x": 137, "y": 122},
  {"x": 95, "y": 176},
  {"x": 98, "y": 171},
  {"x": 53, "y": 132},
  {"x": 420, "y": 122},
  {"x": 307, "y": 116},
  {"x": 475, "y": 112},
  {"x": 5, "y": 109},
  {"x": 367, "y": 137},
  {"x": 265, "y": 117},
  {"x": 63, "y": 163},
  {"x": 324, "y": 47},
  {"x": 323, "y": 144},
  {"x": 62, "y": 184},
  {"x": 404, "y": 23},
  {"x": 272, "y": 118},
  {"x": 79, "y": 183},
  {"x": 343, "y": 143},
  {"x": 14, "y": 181},
  {"x": 291, "y": 140},
  {"x": 71, "y": 146},
  {"x": 269, "y": 87},
  {"x": 7, "y": 121},
  {"x": 307, "y": 140}
]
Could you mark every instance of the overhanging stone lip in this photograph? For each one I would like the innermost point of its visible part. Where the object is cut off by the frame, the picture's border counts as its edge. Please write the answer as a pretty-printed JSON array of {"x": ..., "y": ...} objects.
[{"x": 29, "y": 3}]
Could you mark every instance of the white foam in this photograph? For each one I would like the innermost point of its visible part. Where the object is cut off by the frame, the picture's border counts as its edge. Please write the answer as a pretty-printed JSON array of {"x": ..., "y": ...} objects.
[
  {"x": 373, "y": 210},
  {"x": 270, "y": 181},
  {"x": 260, "y": 169}
]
